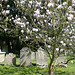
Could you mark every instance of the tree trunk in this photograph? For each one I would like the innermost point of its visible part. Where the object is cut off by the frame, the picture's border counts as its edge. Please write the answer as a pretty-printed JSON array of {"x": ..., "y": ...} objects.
[
  {"x": 9, "y": 48},
  {"x": 51, "y": 71},
  {"x": 50, "y": 66}
]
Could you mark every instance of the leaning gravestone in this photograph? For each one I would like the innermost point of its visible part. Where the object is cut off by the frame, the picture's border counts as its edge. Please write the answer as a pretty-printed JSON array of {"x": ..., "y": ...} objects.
[
  {"x": 2, "y": 56},
  {"x": 32, "y": 55},
  {"x": 60, "y": 61},
  {"x": 10, "y": 59},
  {"x": 41, "y": 58},
  {"x": 25, "y": 57}
]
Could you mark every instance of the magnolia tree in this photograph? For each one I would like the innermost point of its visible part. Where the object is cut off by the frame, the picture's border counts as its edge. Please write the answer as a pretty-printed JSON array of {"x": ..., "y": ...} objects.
[{"x": 45, "y": 22}]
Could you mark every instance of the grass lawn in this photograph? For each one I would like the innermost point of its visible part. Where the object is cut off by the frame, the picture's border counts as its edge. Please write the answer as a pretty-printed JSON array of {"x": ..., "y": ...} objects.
[{"x": 33, "y": 70}]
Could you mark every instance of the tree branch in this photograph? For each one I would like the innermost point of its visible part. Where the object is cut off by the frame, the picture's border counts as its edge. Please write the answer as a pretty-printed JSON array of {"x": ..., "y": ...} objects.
[{"x": 69, "y": 60}]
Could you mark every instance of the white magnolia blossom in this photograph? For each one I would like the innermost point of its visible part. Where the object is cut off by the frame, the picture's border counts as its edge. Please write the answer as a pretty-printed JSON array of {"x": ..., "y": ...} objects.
[
  {"x": 28, "y": 31},
  {"x": 37, "y": 37},
  {"x": 22, "y": 25},
  {"x": 40, "y": 35},
  {"x": 42, "y": 7},
  {"x": 70, "y": 15},
  {"x": 37, "y": 12},
  {"x": 57, "y": 49},
  {"x": 72, "y": 37},
  {"x": 70, "y": 32},
  {"x": 71, "y": 40},
  {"x": 22, "y": 31},
  {"x": 61, "y": 42},
  {"x": 73, "y": 3},
  {"x": 67, "y": 14},
  {"x": 3, "y": 12},
  {"x": 64, "y": 44},
  {"x": 48, "y": 12},
  {"x": 27, "y": 22},
  {"x": 26, "y": 37},
  {"x": 34, "y": 29},
  {"x": 61, "y": 50},
  {"x": 70, "y": 44},
  {"x": 22, "y": 2},
  {"x": 8, "y": 6},
  {"x": 0, "y": 5},
  {"x": 71, "y": 11},
  {"x": 64, "y": 3},
  {"x": 51, "y": 0},
  {"x": 30, "y": 2},
  {"x": 63, "y": 34},
  {"x": 13, "y": 19},
  {"x": 69, "y": 18},
  {"x": 49, "y": 46},
  {"x": 42, "y": 16},
  {"x": 7, "y": 11},
  {"x": 19, "y": 23},
  {"x": 72, "y": 62},
  {"x": 60, "y": 7},
  {"x": 58, "y": 0},
  {"x": 50, "y": 5},
  {"x": 38, "y": 4},
  {"x": 29, "y": 5},
  {"x": 70, "y": 8},
  {"x": 45, "y": 20},
  {"x": 49, "y": 38},
  {"x": 5, "y": 29},
  {"x": 7, "y": 19},
  {"x": 18, "y": 19}
]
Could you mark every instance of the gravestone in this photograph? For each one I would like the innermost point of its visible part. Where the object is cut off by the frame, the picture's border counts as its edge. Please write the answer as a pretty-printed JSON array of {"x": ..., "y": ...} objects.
[
  {"x": 2, "y": 56},
  {"x": 41, "y": 58},
  {"x": 10, "y": 59},
  {"x": 60, "y": 61},
  {"x": 25, "y": 57},
  {"x": 32, "y": 55}
]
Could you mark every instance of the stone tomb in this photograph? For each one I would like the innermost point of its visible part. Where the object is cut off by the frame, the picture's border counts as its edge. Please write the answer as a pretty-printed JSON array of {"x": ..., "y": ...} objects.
[
  {"x": 10, "y": 59},
  {"x": 2, "y": 56},
  {"x": 60, "y": 61},
  {"x": 25, "y": 56},
  {"x": 41, "y": 58}
]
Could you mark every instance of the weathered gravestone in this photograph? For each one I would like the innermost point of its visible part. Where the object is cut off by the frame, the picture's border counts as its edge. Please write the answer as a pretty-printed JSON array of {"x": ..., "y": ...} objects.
[
  {"x": 60, "y": 61},
  {"x": 25, "y": 57},
  {"x": 41, "y": 58},
  {"x": 2, "y": 56},
  {"x": 10, "y": 59},
  {"x": 32, "y": 55}
]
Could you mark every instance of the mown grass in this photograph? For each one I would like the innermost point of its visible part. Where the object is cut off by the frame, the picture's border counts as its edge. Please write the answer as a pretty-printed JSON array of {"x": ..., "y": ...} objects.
[{"x": 34, "y": 70}]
